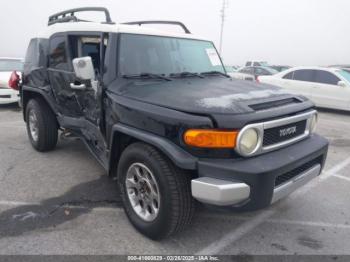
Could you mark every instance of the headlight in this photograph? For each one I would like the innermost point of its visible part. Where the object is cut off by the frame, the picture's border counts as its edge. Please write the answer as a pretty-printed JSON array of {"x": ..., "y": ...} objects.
[
  {"x": 248, "y": 141},
  {"x": 313, "y": 123}
]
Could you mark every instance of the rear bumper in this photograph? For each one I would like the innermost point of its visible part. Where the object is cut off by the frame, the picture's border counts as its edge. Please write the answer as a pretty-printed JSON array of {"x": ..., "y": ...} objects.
[
  {"x": 8, "y": 96},
  {"x": 253, "y": 183}
]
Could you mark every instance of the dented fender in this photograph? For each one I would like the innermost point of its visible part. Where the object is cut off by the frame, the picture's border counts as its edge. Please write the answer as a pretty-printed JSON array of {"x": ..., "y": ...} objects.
[{"x": 38, "y": 92}]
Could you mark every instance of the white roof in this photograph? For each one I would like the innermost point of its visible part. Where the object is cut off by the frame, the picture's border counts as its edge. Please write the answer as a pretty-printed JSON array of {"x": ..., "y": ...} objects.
[{"x": 112, "y": 28}]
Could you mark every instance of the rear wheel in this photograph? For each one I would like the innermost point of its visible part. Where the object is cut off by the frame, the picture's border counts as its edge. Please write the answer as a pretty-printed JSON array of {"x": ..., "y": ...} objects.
[
  {"x": 42, "y": 126},
  {"x": 156, "y": 195}
]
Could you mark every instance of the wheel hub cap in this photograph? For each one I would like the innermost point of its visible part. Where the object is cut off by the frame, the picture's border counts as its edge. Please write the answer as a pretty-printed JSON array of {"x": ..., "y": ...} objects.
[
  {"x": 143, "y": 191},
  {"x": 33, "y": 125}
]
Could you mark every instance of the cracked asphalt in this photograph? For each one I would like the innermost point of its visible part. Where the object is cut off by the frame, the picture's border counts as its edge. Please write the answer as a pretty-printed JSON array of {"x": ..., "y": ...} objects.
[{"x": 62, "y": 202}]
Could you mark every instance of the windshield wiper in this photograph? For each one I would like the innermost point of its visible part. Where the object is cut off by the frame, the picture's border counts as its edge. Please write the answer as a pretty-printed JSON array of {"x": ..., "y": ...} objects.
[
  {"x": 185, "y": 74},
  {"x": 215, "y": 73},
  {"x": 147, "y": 76}
]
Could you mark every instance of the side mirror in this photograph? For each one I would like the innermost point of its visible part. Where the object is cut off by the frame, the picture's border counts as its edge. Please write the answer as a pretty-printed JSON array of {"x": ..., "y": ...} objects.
[
  {"x": 342, "y": 84},
  {"x": 83, "y": 68}
]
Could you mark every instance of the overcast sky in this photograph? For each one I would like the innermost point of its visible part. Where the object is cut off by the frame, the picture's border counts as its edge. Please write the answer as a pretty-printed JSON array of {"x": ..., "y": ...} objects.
[{"x": 295, "y": 32}]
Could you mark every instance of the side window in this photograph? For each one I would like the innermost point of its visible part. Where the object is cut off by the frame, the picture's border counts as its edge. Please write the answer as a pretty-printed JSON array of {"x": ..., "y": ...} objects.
[
  {"x": 58, "y": 53},
  {"x": 304, "y": 75},
  {"x": 82, "y": 46},
  {"x": 290, "y": 75},
  {"x": 261, "y": 71},
  {"x": 247, "y": 70},
  {"x": 324, "y": 77}
]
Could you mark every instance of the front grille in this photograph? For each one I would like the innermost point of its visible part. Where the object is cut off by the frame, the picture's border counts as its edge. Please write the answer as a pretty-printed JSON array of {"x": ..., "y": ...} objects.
[
  {"x": 280, "y": 134},
  {"x": 5, "y": 96},
  {"x": 281, "y": 179}
]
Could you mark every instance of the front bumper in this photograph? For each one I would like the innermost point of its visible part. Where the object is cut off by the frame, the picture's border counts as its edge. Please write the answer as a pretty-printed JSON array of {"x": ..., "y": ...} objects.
[
  {"x": 8, "y": 96},
  {"x": 253, "y": 183}
]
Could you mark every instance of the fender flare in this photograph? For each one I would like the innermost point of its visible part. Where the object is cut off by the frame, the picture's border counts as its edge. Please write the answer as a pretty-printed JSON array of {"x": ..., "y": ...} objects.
[
  {"x": 42, "y": 92},
  {"x": 176, "y": 154}
]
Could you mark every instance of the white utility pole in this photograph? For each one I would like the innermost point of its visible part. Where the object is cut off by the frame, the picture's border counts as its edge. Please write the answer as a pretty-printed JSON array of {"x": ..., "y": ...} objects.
[{"x": 223, "y": 16}]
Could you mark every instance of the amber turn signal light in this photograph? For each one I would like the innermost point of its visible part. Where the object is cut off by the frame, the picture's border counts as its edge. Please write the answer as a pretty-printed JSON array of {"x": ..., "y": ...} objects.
[{"x": 210, "y": 138}]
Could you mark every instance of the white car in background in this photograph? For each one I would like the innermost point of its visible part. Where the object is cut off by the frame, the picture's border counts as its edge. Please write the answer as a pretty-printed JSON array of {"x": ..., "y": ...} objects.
[
  {"x": 239, "y": 75},
  {"x": 326, "y": 87},
  {"x": 7, "y": 66}
]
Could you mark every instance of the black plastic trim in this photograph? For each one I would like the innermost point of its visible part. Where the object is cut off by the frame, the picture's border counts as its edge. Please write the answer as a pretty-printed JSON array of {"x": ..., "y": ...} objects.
[
  {"x": 176, "y": 154},
  {"x": 160, "y": 22},
  {"x": 69, "y": 15},
  {"x": 44, "y": 93}
]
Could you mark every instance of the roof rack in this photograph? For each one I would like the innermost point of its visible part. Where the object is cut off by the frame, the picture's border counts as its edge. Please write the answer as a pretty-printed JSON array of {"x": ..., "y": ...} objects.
[
  {"x": 160, "y": 22},
  {"x": 69, "y": 15}
]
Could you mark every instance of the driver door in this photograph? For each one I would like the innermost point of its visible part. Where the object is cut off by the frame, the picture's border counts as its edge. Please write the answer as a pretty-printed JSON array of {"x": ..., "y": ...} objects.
[{"x": 79, "y": 101}]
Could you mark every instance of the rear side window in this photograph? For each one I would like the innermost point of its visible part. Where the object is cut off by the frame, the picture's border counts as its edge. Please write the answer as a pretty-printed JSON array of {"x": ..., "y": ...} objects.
[
  {"x": 304, "y": 75},
  {"x": 58, "y": 53},
  {"x": 37, "y": 54},
  {"x": 289, "y": 75},
  {"x": 324, "y": 77}
]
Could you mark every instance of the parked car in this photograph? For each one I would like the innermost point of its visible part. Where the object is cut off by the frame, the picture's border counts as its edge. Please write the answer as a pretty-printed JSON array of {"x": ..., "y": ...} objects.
[
  {"x": 7, "y": 66},
  {"x": 327, "y": 87},
  {"x": 158, "y": 112},
  {"x": 241, "y": 76},
  {"x": 280, "y": 68},
  {"x": 256, "y": 71},
  {"x": 230, "y": 69},
  {"x": 256, "y": 63},
  {"x": 235, "y": 74}
]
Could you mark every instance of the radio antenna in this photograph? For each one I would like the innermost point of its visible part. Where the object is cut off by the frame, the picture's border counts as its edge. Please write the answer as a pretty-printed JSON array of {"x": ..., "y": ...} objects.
[{"x": 223, "y": 17}]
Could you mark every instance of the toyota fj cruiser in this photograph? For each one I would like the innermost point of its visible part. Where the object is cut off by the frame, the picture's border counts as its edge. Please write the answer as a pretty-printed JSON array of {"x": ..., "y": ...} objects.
[{"x": 158, "y": 111}]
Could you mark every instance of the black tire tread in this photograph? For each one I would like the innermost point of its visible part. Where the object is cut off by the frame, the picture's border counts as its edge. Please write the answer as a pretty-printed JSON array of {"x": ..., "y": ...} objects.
[
  {"x": 47, "y": 123},
  {"x": 183, "y": 204}
]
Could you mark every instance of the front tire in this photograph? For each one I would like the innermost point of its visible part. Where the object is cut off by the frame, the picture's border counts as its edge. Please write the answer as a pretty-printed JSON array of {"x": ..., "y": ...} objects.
[
  {"x": 42, "y": 126},
  {"x": 156, "y": 195}
]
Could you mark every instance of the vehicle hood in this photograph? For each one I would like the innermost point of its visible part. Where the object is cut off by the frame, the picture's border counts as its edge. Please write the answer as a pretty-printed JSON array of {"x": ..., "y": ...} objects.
[{"x": 210, "y": 95}]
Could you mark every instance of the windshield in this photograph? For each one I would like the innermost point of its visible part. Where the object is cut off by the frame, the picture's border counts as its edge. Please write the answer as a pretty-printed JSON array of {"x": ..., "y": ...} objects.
[
  {"x": 345, "y": 74},
  {"x": 140, "y": 54},
  {"x": 9, "y": 65}
]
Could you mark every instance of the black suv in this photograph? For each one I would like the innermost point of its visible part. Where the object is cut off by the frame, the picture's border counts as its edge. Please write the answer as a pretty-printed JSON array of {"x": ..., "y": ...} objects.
[{"x": 159, "y": 113}]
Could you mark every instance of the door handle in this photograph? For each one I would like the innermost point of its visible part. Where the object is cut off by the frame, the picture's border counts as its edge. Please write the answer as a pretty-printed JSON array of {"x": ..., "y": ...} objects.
[{"x": 78, "y": 86}]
